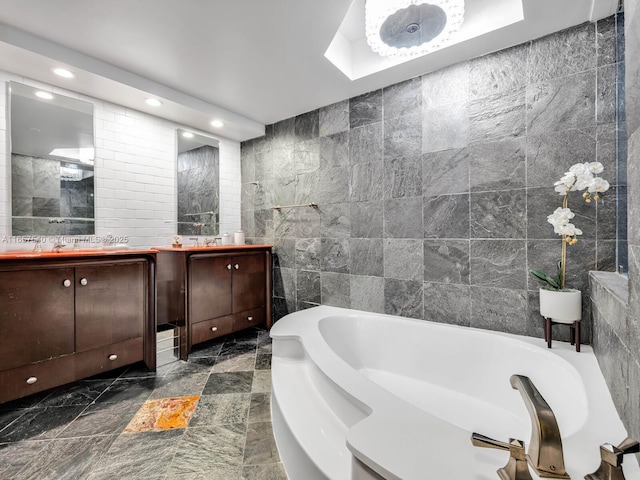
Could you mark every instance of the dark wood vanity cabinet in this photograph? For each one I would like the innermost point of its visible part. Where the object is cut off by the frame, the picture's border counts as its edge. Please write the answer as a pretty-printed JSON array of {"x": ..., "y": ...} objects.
[
  {"x": 110, "y": 304},
  {"x": 67, "y": 319},
  {"x": 37, "y": 316},
  {"x": 210, "y": 292}
]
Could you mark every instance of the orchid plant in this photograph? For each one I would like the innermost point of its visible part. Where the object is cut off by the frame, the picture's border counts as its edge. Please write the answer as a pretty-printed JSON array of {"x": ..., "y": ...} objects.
[{"x": 581, "y": 176}]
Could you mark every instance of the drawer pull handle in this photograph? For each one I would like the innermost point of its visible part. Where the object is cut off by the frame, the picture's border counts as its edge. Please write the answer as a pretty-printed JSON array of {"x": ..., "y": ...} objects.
[
  {"x": 229, "y": 267},
  {"x": 32, "y": 380},
  {"x": 236, "y": 266},
  {"x": 66, "y": 282},
  {"x": 214, "y": 329},
  {"x": 83, "y": 281},
  {"x": 113, "y": 356},
  {"x": 250, "y": 319}
]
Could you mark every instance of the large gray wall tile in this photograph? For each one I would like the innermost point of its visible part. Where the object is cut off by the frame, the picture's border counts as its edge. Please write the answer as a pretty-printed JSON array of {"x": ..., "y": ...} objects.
[
  {"x": 403, "y": 177},
  {"x": 367, "y": 293},
  {"x": 501, "y": 115},
  {"x": 365, "y": 109},
  {"x": 403, "y": 259},
  {"x": 503, "y": 71},
  {"x": 336, "y": 289},
  {"x": 447, "y": 303},
  {"x": 367, "y": 182},
  {"x": 551, "y": 153},
  {"x": 365, "y": 144},
  {"x": 403, "y": 218},
  {"x": 498, "y": 165},
  {"x": 403, "y": 136},
  {"x": 366, "y": 256},
  {"x": 500, "y": 214},
  {"x": 334, "y": 118},
  {"x": 561, "y": 103},
  {"x": 446, "y": 216},
  {"x": 403, "y": 297},
  {"x": 499, "y": 309},
  {"x": 403, "y": 98},
  {"x": 446, "y": 261},
  {"x": 445, "y": 172},
  {"x": 367, "y": 219},
  {"x": 498, "y": 263},
  {"x": 578, "y": 47},
  {"x": 334, "y": 150}
]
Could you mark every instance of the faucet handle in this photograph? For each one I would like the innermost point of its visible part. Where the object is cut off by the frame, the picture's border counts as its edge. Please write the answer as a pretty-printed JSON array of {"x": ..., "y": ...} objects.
[
  {"x": 611, "y": 464},
  {"x": 517, "y": 467}
]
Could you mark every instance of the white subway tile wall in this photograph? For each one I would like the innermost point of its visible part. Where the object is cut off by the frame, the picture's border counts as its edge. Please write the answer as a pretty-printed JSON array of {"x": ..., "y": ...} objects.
[{"x": 135, "y": 173}]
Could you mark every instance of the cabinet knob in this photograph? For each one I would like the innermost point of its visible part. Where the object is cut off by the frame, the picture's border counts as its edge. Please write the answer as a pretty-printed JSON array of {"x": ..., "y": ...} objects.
[
  {"x": 229, "y": 267},
  {"x": 214, "y": 329},
  {"x": 250, "y": 319},
  {"x": 236, "y": 266},
  {"x": 32, "y": 380},
  {"x": 66, "y": 282},
  {"x": 83, "y": 281},
  {"x": 113, "y": 356}
]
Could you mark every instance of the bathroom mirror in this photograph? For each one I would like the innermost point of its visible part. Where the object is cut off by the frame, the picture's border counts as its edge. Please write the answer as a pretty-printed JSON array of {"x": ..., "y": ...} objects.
[
  {"x": 52, "y": 157},
  {"x": 198, "y": 184}
]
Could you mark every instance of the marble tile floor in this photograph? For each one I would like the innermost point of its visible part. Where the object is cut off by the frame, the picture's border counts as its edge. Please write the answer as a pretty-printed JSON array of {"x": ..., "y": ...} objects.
[{"x": 84, "y": 430}]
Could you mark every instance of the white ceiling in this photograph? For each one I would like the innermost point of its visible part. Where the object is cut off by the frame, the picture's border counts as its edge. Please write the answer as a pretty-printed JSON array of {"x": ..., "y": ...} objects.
[{"x": 246, "y": 62}]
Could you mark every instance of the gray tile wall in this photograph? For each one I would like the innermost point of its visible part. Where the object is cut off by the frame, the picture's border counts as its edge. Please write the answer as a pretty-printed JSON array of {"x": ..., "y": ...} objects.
[
  {"x": 433, "y": 193},
  {"x": 616, "y": 336}
]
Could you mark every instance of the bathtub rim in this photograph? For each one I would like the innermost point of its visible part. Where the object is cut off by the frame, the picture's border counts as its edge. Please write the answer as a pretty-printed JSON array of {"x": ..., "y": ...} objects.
[{"x": 383, "y": 456}]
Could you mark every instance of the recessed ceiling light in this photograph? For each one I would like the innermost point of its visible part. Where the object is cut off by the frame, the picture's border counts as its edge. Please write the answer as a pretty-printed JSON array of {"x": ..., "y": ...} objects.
[
  {"x": 154, "y": 102},
  {"x": 63, "y": 72},
  {"x": 187, "y": 135},
  {"x": 217, "y": 124},
  {"x": 44, "y": 95}
]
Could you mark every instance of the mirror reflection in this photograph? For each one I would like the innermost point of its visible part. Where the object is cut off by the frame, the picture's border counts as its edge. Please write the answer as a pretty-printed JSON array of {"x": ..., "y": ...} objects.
[
  {"x": 198, "y": 184},
  {"x": 52, "y": 157}
]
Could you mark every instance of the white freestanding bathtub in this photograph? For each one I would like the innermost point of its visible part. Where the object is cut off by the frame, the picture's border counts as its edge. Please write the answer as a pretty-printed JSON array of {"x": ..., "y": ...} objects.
[{"x": 357, "y": 395}]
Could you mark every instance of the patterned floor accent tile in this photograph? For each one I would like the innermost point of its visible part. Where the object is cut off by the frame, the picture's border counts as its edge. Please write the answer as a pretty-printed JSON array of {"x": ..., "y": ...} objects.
[{"x": 163, "y": 414}]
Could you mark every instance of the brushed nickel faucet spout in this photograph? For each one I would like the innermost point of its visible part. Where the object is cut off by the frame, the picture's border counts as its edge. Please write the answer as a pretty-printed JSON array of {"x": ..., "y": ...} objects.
[{"x": 545, "y": 448}]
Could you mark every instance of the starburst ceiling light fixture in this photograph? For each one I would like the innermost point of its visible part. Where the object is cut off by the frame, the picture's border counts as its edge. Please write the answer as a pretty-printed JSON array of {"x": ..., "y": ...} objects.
[{"x": 411, "y": 27}]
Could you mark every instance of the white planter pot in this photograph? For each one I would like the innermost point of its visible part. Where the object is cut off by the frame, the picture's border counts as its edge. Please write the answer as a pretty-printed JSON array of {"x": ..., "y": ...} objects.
[{"x": 561, "y": 307}]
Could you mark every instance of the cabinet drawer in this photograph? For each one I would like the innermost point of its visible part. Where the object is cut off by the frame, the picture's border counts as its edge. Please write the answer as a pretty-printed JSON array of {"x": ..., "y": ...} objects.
[
  {"x": 108, "y": 357},
  {"x": 248, "y": 319},
  {"x": 203, "y": 331},
  {"x": 36, "y": 377}
]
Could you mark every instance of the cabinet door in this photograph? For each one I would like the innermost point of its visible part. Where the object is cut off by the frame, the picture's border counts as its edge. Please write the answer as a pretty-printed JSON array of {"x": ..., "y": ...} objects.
[
  {"x": 36, "y": 315},
  {"x": 209, "y": 287},
  {"x": 249, "y": 276},
  {"x": 110, "y": 304}
]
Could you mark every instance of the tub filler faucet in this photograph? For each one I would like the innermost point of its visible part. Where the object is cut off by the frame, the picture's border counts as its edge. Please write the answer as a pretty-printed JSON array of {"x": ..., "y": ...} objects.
[{"x": 545, "y": 448}]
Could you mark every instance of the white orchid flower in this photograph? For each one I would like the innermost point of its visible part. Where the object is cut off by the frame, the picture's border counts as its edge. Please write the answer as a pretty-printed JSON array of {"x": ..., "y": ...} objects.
[
  {"x": 596, "y": 168},
  {"x": 584, "y": 181},
  {"x": 561, "y": 188},
  {"x": 569, "y": 230},
  {"x": 599, "y": 185},
  {"x": 560, "y": 216},
  {"x": 580, "y": 169},
  {"x": 568, "y": 179}
]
